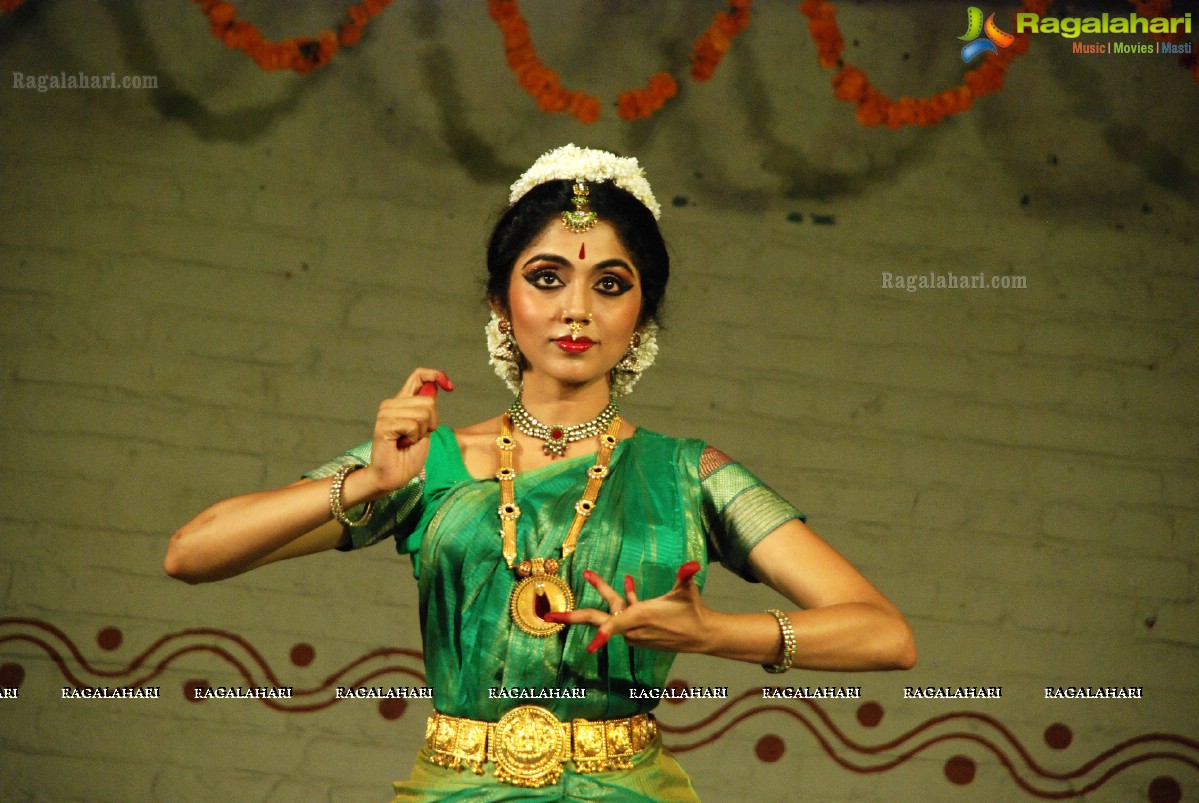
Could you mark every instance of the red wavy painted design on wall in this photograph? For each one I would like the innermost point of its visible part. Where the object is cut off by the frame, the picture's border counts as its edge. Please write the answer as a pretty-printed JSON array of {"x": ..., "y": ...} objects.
[
  {"x": 247, "y": 662},
  {"x": 970, "y": 730}
]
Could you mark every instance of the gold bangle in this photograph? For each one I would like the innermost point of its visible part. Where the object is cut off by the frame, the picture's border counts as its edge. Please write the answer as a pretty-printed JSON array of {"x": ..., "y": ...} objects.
[
  {"x": 788, "y": 631},
  {"x": 339, "y": 480}
]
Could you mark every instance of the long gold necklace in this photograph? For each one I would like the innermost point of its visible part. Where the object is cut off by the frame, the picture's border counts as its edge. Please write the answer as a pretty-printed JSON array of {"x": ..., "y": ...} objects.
[{"x": 540, "y": 589}]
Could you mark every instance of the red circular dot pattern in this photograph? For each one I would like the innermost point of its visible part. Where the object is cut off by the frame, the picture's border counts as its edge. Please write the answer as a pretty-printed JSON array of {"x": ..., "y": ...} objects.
[
  {"x": 960, "y": 770},
  {"x": 870, "y": 714},
  {"x": 392, "y": 709},
  {"x": 109, "y": 638},
  {"x": 677, "y": 686},
  {"x": 302, "y": 654},
  {"x": 1164, "y": 789},
  {"x": 191, "y": 687},
  {"x": 770, "y": 748},
  {"x": 11, "y": 676},
  {"x": 1058, "y": 736}
]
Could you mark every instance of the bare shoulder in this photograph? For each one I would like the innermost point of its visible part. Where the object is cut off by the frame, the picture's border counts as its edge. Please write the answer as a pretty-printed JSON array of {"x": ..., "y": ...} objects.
[
  {"x": 487, "y": 428},
  {"x": 477, "y": 444}
]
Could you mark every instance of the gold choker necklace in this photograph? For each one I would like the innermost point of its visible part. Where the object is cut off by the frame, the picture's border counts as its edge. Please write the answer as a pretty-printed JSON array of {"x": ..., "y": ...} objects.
[
  {"x": 557, "y": 437},
  {"x": 540, "y": 590}
]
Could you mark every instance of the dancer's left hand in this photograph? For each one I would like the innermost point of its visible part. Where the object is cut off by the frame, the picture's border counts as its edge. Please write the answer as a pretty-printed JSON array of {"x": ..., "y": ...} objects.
[{"x": 673, "y": 622}]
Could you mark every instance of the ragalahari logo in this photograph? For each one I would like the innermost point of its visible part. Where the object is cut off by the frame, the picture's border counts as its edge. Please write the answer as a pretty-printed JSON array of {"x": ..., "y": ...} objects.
[{"x": 975, "y": 46}]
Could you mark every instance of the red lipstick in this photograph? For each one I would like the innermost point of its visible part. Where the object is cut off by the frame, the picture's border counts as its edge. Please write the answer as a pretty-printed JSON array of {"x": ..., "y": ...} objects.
[{"x": 574, "y": 346}]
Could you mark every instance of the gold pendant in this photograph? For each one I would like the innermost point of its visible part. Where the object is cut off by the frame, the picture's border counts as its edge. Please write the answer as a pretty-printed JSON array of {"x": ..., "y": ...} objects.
[
  {"x": 538, "y": 593},
  {"x": 528, "y": 747}
]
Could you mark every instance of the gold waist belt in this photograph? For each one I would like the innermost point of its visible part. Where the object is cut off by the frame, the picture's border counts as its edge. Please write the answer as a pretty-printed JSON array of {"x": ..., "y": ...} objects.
[{"x": 529, "y": 745}]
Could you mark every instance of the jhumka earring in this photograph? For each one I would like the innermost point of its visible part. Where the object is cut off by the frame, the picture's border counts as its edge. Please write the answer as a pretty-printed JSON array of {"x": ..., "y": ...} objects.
[
  {"x": 629, "y": 361},
  {"x": 582, "y": 218},
  {"x": 643, "y": 348},
  {"x": 504, "y": 354}
]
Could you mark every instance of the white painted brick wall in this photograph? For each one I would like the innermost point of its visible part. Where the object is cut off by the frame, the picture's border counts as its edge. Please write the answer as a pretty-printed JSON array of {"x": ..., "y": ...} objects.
[{"x": 198, "y": 305}]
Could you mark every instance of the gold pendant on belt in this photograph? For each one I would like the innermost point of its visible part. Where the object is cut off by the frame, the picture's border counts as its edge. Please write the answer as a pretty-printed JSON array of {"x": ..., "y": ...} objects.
[
  {"x": 528, "y": 747},
  {"x": 539, "y": 592}
]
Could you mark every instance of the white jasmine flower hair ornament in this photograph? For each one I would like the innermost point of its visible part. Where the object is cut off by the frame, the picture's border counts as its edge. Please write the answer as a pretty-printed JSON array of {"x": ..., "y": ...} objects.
[{"x": 570, "y": 163}]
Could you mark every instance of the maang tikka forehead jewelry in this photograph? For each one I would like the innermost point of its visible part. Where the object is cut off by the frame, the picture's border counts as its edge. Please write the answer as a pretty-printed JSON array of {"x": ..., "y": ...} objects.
[
  {"x": 582, "y": 218},
  {"x": 572, "y": 163}
]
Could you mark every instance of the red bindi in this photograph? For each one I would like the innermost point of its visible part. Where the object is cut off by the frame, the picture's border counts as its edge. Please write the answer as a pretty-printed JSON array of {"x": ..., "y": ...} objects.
[{"x": 582, "y": 250}]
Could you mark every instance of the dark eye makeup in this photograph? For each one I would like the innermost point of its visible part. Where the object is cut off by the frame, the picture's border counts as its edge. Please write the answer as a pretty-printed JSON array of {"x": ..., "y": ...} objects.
[
  {"x": 610, "y": 281},
  {"x": 613, "y": 284},
  {"x": 545, "y": 279}
]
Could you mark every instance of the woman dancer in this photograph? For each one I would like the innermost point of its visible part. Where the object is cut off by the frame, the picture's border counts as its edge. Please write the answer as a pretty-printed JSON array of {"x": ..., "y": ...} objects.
[{"x": 562, "y": 561}]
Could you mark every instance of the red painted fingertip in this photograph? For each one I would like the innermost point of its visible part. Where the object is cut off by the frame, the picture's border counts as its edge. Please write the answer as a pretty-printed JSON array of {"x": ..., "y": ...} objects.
[
  {"x": 444, "y": 381},
  {"x": 688, "y": 570},
  {"x": 600, "y": 640},
  {"x": 427, "y": 389},
  {"x": 590, "y": 576},
  {"x": 629, "y": 586},
  {"x": 556, "y": 617}
]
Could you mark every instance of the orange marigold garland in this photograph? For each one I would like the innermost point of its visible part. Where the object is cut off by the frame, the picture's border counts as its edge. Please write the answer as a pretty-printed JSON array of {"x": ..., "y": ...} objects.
[
  {"x": 543, "y": 84},
  {"x": 709, "y": 49},
  {"x": 638, "y": 103},
  {"x": 852, "y": 85},
  {"x": 534, "y": 77},
  {"x": 302, "y": 54}
]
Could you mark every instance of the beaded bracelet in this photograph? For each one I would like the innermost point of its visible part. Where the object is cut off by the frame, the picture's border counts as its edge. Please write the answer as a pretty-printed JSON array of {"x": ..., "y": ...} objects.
[
  {"x": 339, "y": 479},
  {"x": 788, "y": 631}
]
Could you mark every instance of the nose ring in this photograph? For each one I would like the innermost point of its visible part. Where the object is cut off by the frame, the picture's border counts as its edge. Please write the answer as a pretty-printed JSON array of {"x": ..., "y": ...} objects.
[{"x": 576, "y": 326}]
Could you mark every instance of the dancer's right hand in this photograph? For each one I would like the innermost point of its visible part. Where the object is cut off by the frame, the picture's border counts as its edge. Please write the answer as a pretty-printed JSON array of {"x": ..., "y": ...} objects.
[{"x": 400, "y": 443}]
